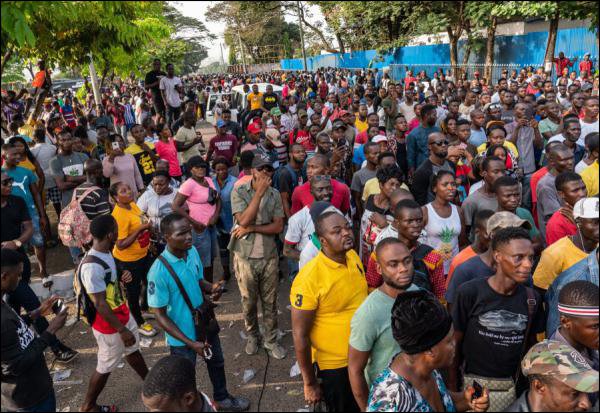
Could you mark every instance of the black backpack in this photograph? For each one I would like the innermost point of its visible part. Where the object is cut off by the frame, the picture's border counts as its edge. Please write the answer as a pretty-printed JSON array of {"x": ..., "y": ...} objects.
[{"x": 85, "y": 306}]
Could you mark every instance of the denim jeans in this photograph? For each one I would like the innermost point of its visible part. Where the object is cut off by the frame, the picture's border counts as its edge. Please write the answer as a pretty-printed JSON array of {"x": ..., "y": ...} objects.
[
  {"x": 207, "y": 245},
  {"x": 48, "y": 405},
  {"x": 24, "y": 297},
  {"x": 216, "y": 365},
  {"x": 172, "y": 114}
]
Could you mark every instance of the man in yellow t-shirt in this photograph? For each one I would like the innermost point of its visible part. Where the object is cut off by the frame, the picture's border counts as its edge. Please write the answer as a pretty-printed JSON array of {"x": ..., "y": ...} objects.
[
  {"x": 255, "y": 98},
  {"x": 571, "y": 249},
  {"x": 590, "y": 178},
  {"x": 324, "y": 296},
  {"x": 372, "y": 185}
]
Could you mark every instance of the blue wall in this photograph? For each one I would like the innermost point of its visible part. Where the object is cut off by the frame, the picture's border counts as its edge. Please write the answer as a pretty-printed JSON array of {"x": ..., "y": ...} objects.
[{"x": 528, "y": 49}]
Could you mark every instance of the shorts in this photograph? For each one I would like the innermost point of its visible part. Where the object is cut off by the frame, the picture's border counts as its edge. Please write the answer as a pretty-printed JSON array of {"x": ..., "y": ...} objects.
[
  {"x": 111, "y": 348},
  {"x": 53, "y": 195},
  {"x": 37, "y": 240},
  {"x": 207, "y": 245}
]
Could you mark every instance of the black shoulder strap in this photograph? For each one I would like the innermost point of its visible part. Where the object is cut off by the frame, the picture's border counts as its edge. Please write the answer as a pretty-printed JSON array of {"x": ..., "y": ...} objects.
[
  {"x": 531, "y": 304},
  {"x": 171, "y": 271}
]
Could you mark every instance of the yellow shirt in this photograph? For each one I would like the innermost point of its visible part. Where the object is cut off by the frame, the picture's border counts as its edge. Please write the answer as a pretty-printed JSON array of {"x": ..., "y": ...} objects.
[
  {"x": 590, "y": 178},
  {"x": 360, "y": 125},
  {"x": 334, "y": 291},
  {"x": 255, "y": 100},
  {"x": 127, "y": 221},
  {"x": 372, "y": 188},
  {"x": 508, "y": 145},
  {"x": 27, "y": 164},
  {"x": 27, "y": 130},
  {"x": 555, "y": 259}
]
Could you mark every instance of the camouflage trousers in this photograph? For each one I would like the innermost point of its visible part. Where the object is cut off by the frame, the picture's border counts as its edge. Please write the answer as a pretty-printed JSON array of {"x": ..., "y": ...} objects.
[{"x": 258, "y": 280}]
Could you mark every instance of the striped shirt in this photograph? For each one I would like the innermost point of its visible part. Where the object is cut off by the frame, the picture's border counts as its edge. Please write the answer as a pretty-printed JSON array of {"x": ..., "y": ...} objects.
[
  {"x": 129, "y": 115},
  {"x": 95, "y": 203}
]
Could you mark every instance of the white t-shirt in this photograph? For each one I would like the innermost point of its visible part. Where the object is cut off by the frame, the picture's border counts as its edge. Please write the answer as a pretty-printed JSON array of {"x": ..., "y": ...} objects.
[
  {"x": 171, "y": 94},
  {"x": 557, "y": 138},
  {"x": 44, "y": 152},
  {"x": 300, "y": 226},
  {"x": 92, "y": 275},
  {"x": 308, "y": 253},
  {"x": 580, "y": 167},
  {"x": 586, "y": 128},
  {"x": 408, "y": 111}
]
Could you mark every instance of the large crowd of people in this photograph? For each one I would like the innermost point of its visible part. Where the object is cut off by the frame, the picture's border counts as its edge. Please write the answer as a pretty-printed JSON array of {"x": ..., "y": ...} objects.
[{"x": 440, "y": 234}]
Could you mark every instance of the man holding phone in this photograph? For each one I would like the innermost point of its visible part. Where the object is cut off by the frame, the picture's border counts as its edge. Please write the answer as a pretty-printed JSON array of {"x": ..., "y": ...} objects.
[{"x": 524, "y": 133}]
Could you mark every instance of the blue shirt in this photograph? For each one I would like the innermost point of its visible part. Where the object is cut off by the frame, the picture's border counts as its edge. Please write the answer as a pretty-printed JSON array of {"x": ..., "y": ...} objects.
[
  {"x": 23, "y": 178},
  {"x": 225, "y": 215},
  {"x": 163, "y": 291},
  {"x": 477, "y": 137},
  {"x": 416, "y": 145},
  {"x": 584, "y": 270},
  {"x": 359, "y": 156}
]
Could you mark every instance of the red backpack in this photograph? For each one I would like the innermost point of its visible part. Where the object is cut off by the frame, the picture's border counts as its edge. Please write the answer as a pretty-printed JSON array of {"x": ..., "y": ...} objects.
[{"x": 74, "y": 225}]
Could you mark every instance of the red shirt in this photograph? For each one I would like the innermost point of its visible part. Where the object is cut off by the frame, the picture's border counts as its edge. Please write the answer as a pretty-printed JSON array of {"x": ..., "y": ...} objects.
[
  {"x": 559, "y": 227},
  {"x": 303, "y": 138},
  {"x": 223, "y": 147},
  {"x": 340, "y": 199},
  {"x": 408, "y": 81},
  {"x": 168, "y": 151},
  {"x": 562, "y": 63},
  {"x": 587, "y": 66},
  {"x": 361, "y": 138}
]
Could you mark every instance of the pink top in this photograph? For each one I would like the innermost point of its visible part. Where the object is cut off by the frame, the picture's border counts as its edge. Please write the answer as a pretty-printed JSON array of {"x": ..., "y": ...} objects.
[
  {"x": 123, "y": 169},
  {"x": 168, "y": 152},
  {"x": 197, "y": 197}
]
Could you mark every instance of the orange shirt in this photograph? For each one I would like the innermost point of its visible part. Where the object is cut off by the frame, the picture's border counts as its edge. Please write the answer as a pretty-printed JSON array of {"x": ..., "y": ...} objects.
[{"x": 462, "y": 256}]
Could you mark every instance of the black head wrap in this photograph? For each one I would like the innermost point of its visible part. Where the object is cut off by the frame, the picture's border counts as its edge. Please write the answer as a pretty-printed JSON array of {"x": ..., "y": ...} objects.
[{"x": 419, "y": 321}]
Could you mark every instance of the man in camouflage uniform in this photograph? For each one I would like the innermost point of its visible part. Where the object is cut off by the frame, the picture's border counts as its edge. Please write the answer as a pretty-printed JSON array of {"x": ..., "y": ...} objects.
[
  {"x": 258, "y": 214},
  {"x": 560, "y": 380}
]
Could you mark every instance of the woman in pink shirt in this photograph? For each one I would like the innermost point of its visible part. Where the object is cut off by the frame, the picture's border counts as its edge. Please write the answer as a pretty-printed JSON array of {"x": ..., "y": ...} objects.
[
  {"x": 165, "y": 149},
  {"x": 417, "y": 120},
  {"x": 121, "y": 167},
  {"x": 202, "y": 199}
]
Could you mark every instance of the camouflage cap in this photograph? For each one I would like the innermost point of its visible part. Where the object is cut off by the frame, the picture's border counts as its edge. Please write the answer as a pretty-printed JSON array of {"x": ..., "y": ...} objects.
[
  {"x": 505, "y": 219},
  {"x": 563, "y": 363}
]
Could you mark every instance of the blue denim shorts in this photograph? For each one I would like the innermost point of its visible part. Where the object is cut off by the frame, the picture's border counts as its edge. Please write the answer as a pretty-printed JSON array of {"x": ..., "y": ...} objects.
[
  {"x": 37, "y": 240},
  {"x": 207, "y": 245}
]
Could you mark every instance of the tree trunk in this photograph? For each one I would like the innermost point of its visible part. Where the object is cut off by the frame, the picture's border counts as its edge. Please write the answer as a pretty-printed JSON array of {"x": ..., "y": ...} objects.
[
  {"x": 551, "y": 45},
  {"x": 29, "y": 68},
  {"x": 453, "y": 54},
  {"x": 468, "y": 47},
  {"x": 5, "y": 60},
  {"x": 489, "y": 50},
  {"x": 104, "y": 74},
  {"x": 315, "y": 29},
  {"x": 340, "y": 42}
]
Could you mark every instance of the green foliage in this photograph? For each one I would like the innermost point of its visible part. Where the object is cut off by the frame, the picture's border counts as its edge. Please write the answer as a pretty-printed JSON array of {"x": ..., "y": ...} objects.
[{"x": 13, "y": 72}]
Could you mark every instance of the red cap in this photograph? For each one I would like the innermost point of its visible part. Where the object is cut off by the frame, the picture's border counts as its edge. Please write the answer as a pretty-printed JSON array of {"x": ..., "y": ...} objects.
[
  {"x": 254, "y": 128},
  {"x": 343, "y": 113},
  {"x": 476, "y": 73}
]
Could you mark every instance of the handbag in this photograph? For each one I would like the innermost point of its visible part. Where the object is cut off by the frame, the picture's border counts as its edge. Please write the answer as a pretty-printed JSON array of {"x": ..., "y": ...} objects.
[{"x": 205, "y": 320}]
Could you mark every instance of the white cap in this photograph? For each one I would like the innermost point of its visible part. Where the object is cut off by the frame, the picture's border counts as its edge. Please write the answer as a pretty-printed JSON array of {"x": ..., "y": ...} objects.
[
  {"x": 586, "y": 208},
  {"x": 380, "y": 138}
]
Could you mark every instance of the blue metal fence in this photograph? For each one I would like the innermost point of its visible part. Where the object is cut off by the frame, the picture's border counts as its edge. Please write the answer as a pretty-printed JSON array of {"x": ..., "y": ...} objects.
[{"x": 518, "y": 51}]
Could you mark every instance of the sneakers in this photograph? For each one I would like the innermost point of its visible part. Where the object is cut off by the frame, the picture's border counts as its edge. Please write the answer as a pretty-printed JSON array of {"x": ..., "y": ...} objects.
[
  {"x": 65, "y": 354},
  {"x": 47, "y": 281},
  {"x": 147, "y": 330},
  {"x": 233, "y": 404},
  {"x": 275, "y": 350},
  {"x": 252, "y": 346},
  {"x": 148, "y": 315}
]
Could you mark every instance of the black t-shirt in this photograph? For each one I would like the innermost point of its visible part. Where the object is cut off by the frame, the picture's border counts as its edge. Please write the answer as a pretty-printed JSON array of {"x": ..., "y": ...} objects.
[
  {"x": 494, "y": 327},
  {"x": 13, "y": 215},
  {"x": 270, "y": 100},
  {"x": 421, "y": 185},
  {"x": 152, "y": 77},
  {"x": 469, "y": 270},
  {"x": 95, "y": 203},
  {"x": 287, "y": 182},
  {"x": 26, "y": 380}
]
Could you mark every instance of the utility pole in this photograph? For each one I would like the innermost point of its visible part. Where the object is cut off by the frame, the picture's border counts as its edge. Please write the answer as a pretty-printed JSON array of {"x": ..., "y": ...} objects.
[
  {"x": 301, "y": 36},
  {"x": 94, "y": 79},
  {"x": 222, "y": 59},
  {"x": 242, "y": 51}
]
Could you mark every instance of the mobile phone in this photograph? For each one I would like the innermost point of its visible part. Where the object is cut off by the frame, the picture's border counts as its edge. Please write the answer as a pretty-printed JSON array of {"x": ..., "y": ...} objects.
[
  {"x": 341, "y": 143},
  {"x": 529, "y": 112},
  {"x": 478, "y": 390},
  {"x": 58, "y": 306},
  {"x": 115, "y": 146}
]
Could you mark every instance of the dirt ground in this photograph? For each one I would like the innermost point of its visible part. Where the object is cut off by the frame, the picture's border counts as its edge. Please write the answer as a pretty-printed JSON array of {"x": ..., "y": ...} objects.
[{"x": 281, "y": 392}]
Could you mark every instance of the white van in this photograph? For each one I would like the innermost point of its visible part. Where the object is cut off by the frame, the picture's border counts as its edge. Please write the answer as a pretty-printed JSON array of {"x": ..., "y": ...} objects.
[{"x": 239, "y": 100}]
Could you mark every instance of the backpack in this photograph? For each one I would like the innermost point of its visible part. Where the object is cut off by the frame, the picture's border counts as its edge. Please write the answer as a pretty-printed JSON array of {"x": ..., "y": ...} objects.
[
  {"x": 85, "y": 306},
  {"x": 74, "y": 224}
]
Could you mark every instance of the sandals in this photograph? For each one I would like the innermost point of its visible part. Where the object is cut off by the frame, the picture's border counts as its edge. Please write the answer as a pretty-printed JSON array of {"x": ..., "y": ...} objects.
[{"x": 107, "y": 408}]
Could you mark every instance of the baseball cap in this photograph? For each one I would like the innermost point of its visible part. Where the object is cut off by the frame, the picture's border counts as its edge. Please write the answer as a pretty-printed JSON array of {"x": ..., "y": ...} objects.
[
  {"x": 47, "y": 101},
  {"x": 260, "y": 160},
  {"x": 254, "y": 128},
  {"x": 343, "y": 113},
  {"x": 561, "y": 362},
  {"x": 220, "y": 123},
  {"x": 586, "y": 208},
  {"x": 275, "y": 111},
  {"x": 587, "y": 86},
  {"x": 338, "y": 123},
  {"x": 272, "y": 134},
  {"x": 505, "y": 219},
  {"x": 318, "y": 208},
  {"x": 302, "y": 113},
  {"x": 476, "y": 73},
  {"x": 380, "y": 138}
]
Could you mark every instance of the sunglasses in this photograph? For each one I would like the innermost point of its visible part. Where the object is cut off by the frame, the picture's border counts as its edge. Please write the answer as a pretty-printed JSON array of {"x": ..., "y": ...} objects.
[
  {"x": 321, "y": 178},
  {"x": 7, "y": 182},
  {"x": 265, "y": 168},
  {"x": 441, "y": 143}
]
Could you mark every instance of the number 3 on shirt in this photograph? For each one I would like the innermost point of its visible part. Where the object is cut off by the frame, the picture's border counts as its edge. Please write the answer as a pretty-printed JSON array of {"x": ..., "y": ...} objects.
[{"x": 298, "y": 302}]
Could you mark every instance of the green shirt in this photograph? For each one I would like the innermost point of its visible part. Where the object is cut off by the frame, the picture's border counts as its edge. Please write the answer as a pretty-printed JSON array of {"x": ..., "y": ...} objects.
[
  {"x": 526, "y": 215},
  {"x": 371, "y": 331},
  {"x": 270, "y": 208},
  {"x": 389, "y": 120}
]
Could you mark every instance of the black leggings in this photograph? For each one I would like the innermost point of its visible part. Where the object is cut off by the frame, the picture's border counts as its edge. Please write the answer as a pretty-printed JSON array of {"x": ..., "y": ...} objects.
[{"x": 136, "y": 289}]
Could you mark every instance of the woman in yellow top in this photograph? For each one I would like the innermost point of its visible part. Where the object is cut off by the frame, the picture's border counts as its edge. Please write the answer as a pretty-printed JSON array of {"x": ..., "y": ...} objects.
[
  {"x": 28, "y": 159},
  {"x": 131, "y": 251}
]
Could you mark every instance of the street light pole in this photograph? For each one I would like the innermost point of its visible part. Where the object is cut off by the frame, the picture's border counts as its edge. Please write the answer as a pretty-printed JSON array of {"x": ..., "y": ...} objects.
[
  {"x": 242, "y": 51},
  {"x": 301, "y": 36}
]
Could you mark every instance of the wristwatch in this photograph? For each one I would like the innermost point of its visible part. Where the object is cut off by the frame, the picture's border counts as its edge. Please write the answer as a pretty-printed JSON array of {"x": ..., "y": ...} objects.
[{"x": 18, "y": 243}]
